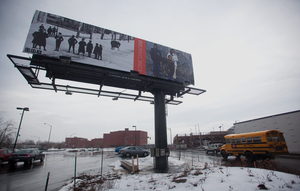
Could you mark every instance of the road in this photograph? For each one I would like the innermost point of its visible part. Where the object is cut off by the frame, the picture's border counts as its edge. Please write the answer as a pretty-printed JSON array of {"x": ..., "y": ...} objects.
[{"x": 61, "y": 167}]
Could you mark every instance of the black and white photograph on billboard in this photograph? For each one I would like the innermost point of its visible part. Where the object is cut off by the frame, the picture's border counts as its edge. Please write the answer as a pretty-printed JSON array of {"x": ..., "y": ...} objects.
[
  {"x": 167, "y": 63},
  {"x": 54, "y": 36}
]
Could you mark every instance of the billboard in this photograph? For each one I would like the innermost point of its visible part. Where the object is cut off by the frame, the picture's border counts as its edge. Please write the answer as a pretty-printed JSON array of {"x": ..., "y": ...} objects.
[{"x": 54, "y": 36}]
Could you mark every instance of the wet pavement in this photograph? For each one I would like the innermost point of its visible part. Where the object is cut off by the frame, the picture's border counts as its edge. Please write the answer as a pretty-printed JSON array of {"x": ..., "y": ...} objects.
[{"x": 61, "y": 167}]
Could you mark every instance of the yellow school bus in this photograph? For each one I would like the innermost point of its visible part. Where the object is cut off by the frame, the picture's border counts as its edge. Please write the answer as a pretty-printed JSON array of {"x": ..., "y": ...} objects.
[{"x": 255, "y": 145}]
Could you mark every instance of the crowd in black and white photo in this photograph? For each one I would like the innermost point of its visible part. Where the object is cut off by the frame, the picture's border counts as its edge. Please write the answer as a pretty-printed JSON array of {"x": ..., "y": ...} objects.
[{"x": 40, "y": 41}]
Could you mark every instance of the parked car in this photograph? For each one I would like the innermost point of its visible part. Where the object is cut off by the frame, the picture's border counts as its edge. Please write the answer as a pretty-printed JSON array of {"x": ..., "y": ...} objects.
[
  {"x": 214, "y": 148},
  {"x": 4, "y": 155},
  {"x": 26, "y": 156},
  {"x": 118, "y": 150},
  {"x": 133, "y": 151},
  {"x": 202, "y": 147}
]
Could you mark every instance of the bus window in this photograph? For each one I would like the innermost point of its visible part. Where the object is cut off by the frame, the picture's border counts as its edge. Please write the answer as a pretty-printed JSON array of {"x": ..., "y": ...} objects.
[
  {"x": 281, "y": 138},
  {"x": 269, "y": 138},
  {"x": 256, "y": 139},
  {"x": 238, "y": 141},
  {"x": 233, "y": 141},
  {"x": 228, "y": 141},
  {"x": 243, "y": 140},
  {"x": 249, "y": 140},
  {"x": 275, "y": 138}
]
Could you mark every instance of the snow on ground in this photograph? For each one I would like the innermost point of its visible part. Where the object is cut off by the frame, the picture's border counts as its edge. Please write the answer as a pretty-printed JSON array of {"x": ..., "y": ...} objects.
[{"x": 200, "y": 176}]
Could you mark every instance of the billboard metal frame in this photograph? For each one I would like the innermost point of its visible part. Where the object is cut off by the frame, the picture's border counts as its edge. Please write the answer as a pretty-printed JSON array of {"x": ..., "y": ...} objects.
[{"x": 65, "y": 69}]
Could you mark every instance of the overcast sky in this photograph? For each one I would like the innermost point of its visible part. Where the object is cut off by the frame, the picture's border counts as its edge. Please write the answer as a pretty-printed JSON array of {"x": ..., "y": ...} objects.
[{"x": 246, "y": 55}]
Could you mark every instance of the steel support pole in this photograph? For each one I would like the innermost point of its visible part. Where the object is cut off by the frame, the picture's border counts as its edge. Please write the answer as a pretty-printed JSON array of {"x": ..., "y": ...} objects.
[{"x": 161, "y": 162}]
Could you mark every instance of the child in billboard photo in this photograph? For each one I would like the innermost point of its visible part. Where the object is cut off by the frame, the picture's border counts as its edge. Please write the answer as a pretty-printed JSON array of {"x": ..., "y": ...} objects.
[
  {"x": 82, "y": 45},
  {"x": 172, "y": 56},
  {"x": 170, "y": 67},
  {"x": 156, "y": 57},
  {"x": 49, "y": 30},
  {"x": 58, "y": 41},
  {"x": 72, "y": 41}
]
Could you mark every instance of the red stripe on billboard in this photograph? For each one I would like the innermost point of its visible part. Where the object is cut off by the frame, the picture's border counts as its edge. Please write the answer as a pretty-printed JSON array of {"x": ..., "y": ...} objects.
[{"x": 139, "y": 63}]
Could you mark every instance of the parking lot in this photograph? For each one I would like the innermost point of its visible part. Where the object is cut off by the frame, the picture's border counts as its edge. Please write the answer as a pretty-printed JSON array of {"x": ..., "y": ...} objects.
[{"x": 61, "y": 166}]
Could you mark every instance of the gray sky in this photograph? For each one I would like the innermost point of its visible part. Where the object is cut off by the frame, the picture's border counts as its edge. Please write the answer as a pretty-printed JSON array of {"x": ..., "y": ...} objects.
[{"x": 245, "y": 54}]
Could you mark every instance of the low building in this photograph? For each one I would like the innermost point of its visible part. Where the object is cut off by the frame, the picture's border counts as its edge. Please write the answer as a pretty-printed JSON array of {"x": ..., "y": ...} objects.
[
  {"x": 79, "y": 142},
  {"x": 125, "y": 138},
  {"x": 96, "y": 143},
  {"x": 195, "y": 140},
  {"x": 288, "y": 123}
]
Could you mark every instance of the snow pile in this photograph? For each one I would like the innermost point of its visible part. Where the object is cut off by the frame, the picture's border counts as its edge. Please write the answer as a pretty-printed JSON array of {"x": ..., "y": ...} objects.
[{"x": 200, "y": 176}]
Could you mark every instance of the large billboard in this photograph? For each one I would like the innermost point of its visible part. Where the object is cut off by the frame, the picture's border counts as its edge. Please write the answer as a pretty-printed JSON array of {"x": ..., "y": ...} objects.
[{"x": 54, "y": 36}]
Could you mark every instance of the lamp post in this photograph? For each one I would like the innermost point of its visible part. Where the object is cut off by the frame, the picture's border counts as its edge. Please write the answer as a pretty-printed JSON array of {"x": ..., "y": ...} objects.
[
  {"x": 199, "y": 135},
  {"x": 134, "y": 135},
  {"x": 49, "y": 133},
  {"x": 221, "y": 134},
  {"x": 170, "y": 136},
  {"x": 24, "y": 109}
]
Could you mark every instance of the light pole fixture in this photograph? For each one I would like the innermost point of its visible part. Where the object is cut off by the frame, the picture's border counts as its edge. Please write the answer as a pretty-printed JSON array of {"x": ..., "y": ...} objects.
[
  {"x": 49, "y": 133},
  {"x": 170, "y": 136},
  {"x": 134, "y": 135},
  {"x": 24, "y": 109},
  {"x": 221, "y": 134}
]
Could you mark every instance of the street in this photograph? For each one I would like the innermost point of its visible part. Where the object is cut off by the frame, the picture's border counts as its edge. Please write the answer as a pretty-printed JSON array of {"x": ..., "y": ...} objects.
[{"x": 61, "y": 166}]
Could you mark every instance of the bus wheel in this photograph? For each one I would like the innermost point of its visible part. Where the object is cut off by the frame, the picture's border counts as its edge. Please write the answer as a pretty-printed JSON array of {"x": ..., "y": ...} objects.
[
  {"x": 249, "y": 156},
  {"x": 224, "y": 155}
]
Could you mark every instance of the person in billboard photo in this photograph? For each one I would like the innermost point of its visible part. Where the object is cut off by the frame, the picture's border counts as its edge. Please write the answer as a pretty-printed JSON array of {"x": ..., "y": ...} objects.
[
  {"x": 98, "y": 51},
  {"x": 82, "y": 45},
  {"x": 170, "y": 67},
  {"x": 58, "y": 41},
  {"x": 156, "y": 58},
  {"x": 89, "y": 48},
  {"x": 72, "y": 41},
  {"x": 39, "y": 38},
  {"x": 175, "y": 60},
  {"x": 49, "y": 30}
]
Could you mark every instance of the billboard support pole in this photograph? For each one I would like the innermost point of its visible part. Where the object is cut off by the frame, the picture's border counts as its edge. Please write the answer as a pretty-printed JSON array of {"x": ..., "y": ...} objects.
[{"x": 161, "y": 161}]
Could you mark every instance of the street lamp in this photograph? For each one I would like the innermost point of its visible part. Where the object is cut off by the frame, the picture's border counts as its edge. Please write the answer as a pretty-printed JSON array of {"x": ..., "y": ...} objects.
[
  {"x": 199, "y": 135},
  {"x": 221, "y": 134},
  {"x": 24, "y": 109},
  {"x": 170, "y": 136},
  {"x": 49, "y": 133},
  {"x": 134, "y": 135}
]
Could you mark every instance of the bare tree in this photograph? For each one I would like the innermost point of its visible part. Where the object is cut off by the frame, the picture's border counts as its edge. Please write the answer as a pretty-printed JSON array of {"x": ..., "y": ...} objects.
[{"x": 7, "y": 131}]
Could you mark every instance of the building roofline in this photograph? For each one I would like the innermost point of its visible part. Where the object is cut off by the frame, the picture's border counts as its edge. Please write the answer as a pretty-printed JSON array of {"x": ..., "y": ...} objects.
[{"x": 267, "y": 117}]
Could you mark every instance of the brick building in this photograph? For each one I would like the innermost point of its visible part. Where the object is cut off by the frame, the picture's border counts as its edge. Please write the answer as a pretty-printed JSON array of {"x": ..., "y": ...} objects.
[
  {"x": 125, "y": 138},
  {"x": 192, "y": 140}
]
